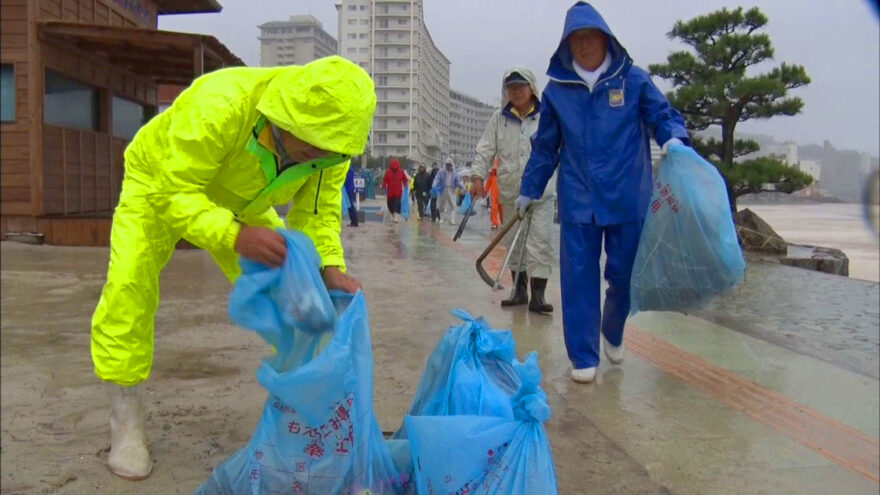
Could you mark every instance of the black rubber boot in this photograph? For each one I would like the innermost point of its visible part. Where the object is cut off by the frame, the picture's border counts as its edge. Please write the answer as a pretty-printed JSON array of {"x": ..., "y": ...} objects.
[
  {"x": 521, "y": 294},
  {"x": 537, "y": 304}
]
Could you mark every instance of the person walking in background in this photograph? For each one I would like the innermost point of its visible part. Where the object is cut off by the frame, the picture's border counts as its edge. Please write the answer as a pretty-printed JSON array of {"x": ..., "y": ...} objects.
[
  {"x": 598, "y": 113},
  {"x": 351, "y": 192},
  {"x": 507, "y": 140},
  {"x": 435, "y": 212},
  {"x": 422, "y": 189},
  {"x": 447, "y": 182},
  {"x": 393, "y": 183}
]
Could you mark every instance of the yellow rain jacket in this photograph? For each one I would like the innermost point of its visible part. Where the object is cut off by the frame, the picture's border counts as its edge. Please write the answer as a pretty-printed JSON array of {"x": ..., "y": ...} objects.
[{"x": 206, "y": 166}]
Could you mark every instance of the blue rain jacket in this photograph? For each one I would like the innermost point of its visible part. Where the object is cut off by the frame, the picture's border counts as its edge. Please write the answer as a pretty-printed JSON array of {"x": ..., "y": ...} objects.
[
  {"x": 599, "y": 139},
  {"x": 349, "y": 183}
]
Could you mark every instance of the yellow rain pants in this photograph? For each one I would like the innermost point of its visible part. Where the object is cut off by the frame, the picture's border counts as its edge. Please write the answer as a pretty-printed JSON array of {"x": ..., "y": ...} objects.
[{"x": 206, "y": 166}]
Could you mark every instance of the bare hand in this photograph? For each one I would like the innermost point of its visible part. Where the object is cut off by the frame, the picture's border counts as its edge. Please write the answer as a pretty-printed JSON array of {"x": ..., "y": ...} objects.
[
  {"x": 335, "y": 279},
  {"x": 477, "y": 186},
  {"x": 262, "y": 245}
]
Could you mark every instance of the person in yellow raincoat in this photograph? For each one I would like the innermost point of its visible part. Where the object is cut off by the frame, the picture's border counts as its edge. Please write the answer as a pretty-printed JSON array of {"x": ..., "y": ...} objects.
[{"x": 210, "y": 169}]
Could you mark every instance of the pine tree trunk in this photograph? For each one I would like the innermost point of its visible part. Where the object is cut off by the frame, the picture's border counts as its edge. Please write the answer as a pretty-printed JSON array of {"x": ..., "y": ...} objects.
[{"x": 727, "y": 142}]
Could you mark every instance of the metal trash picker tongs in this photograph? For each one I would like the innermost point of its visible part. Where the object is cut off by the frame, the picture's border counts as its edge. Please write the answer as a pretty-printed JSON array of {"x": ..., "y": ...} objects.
[{"x": 495, "y": 282}]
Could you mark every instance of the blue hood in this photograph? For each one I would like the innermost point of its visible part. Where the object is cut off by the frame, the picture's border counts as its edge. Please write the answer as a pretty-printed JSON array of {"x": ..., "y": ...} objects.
[{"x": 583, "y": 16}]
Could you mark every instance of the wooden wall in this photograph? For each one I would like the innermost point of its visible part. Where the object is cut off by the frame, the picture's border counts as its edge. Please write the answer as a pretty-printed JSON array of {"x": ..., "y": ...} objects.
[
  {"x": 71, "y": 231},
  {"x": 82, "y": 171},
  {"x": 15, "y": 146},
  {"x": 102, "y": 12},
  {"x": 84, "y": 67}
]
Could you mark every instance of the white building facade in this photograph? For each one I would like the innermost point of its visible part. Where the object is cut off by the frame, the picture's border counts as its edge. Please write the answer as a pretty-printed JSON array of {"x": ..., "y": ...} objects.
[
  {"x": 468, "y": 117},
  {"x": 389, "y": 39},
  {"x": 297, "y": 41}
]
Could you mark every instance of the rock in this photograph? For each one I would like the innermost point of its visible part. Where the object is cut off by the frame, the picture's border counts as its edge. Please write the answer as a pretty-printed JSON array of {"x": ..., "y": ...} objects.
[
  {"x": 757, "y": 235},
  {"x": 821, "y": 259}
]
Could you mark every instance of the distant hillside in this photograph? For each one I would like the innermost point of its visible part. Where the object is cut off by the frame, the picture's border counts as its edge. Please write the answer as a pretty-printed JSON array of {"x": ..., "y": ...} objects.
[{"x": 850, "y": 168}]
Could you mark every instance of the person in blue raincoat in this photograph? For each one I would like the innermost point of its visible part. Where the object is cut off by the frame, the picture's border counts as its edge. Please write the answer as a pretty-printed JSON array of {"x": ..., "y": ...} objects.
[
  {"x": 597, "y": 115},
  {"x": 350, "y": 191}
]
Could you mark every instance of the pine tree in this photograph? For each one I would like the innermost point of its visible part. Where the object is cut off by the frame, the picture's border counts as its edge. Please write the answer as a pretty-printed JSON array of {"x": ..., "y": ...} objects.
[{"x": 712, "y": 87}]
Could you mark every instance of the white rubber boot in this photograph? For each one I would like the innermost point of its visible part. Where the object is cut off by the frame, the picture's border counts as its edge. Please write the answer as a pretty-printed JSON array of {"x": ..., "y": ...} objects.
[
  {"x": 129, "y": 457},
  {"x": 614, "y": 353},
  {"x": 583, "y": 375}
]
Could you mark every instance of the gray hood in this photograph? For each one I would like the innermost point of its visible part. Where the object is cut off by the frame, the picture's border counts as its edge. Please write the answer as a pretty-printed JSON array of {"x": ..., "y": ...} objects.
[{"x": 526, "y": 73}]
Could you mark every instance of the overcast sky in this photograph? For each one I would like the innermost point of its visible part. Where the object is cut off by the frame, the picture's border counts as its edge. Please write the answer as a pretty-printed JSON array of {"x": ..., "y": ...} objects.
[{"x": 838, "y": 42}]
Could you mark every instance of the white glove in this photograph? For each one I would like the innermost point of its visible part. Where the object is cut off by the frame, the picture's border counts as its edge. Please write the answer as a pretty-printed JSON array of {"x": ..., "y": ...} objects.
[
  {"x": 522, "y": 204},
  {"x": 668, "y": 144}
]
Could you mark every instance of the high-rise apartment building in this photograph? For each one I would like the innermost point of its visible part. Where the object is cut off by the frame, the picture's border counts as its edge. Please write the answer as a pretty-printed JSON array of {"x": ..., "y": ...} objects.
[
  {"x": 297, "y": 41},
  {"x": 468, "y": 117},
  {"x": 389, "y": 39}
]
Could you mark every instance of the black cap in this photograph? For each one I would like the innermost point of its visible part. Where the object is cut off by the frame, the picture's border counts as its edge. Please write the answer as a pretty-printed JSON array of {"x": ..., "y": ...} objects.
[{"x": 515, "y": 78}]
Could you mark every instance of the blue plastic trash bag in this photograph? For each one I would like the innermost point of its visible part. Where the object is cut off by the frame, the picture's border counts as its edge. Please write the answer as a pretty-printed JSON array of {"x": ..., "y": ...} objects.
[
  {"x": 318, "y": 432},
  {"x": 470, "y": 371},
  {"x": 688, "y": 252},
  {"x": 346, "y": 202},
  {"x": 435, "y": 191},
  {"x": 476, "y": 422},
  {"x": 487, "y": 454},
  {"x": 404, "y": 204},
  {"x": 465, "y": 204}
]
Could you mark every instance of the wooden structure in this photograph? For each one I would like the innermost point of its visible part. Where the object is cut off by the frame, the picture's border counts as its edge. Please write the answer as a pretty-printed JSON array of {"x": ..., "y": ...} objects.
[{"x": 63, "y": 181}]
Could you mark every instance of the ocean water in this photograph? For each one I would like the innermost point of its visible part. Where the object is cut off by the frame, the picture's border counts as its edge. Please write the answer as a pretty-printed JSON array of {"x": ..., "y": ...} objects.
[{"x": 841, "y": 226}]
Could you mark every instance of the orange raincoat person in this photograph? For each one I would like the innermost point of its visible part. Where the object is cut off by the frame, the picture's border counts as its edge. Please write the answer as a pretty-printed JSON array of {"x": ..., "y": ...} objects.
[{"x": 495, "y": 210}]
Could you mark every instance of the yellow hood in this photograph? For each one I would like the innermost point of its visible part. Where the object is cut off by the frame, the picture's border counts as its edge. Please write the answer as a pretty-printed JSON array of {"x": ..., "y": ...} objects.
[{"x": 328, "y": 103}]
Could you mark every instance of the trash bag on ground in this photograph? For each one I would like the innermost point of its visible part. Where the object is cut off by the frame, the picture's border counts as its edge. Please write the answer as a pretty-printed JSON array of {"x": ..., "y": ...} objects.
[
  {"x": 404, "y": 204},
  {"x": 318, "y": 432},
  {"x": 688, "y": 252},
  {"x": 470, "y": 371},
  {"x": 486, "y": 454},
  {"x": 476, "y": 422}
]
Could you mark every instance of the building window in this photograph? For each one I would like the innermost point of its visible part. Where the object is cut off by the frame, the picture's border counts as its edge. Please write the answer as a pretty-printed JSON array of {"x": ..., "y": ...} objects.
[
  {"x": 363, "y": 7},
  {"x": 128, "y": 117},
  {"x": 7, "y": 93},
  {"x": 301, "y": 29},
  {"x": 352, "y": 7},
  {"x": 352, "y": 22},
  {"x": 401, "y": 22},
  {"x": 365, "y": 22},
  {"x": 68, "y": 103},
  {"x": 364, "y": 49},
  {"x": 351, "y": 50},
  {"x": 362, "y": 36},
  {"x": 352, "y": 36},
  {"x": 401, "y": 135}
]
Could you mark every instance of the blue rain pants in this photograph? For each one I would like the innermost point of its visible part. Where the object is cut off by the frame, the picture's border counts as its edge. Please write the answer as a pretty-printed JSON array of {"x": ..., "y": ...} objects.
[{"x": 580, "y": 249}]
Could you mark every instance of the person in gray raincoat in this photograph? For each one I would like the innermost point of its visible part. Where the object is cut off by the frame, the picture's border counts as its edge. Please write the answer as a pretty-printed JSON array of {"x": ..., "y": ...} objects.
[{"x": 508, "y": 138}]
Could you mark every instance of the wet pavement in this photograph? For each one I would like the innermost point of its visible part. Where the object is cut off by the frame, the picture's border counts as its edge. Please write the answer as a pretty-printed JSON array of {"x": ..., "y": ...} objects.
[{"x": 772, "y": 389}]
